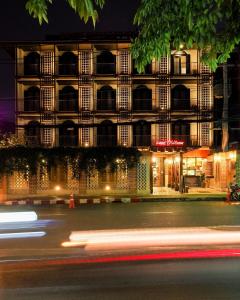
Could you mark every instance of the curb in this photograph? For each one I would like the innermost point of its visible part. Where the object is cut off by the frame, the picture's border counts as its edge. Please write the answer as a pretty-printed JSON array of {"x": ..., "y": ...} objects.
[{"x": 82, "y": 201}]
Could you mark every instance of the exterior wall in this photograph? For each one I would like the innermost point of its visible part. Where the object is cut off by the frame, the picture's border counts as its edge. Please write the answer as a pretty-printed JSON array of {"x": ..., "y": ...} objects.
[{"x": 224, "y": 170}]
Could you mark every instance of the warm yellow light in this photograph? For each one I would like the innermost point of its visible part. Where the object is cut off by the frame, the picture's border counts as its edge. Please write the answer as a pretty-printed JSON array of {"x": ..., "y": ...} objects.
[
  {"x": 217, "y": 158},
  {"x": 181, "y": 46},
  {"x": 232, "y": 155},
  {"x": 86, "y": 144},
  {"x": 107, "y": 188},
  {"x": 43, "y": 161},
  {"x": 154, "y": 159},
  {"x": 57, "y": 188},
  {"x": 177, "y": 159}
]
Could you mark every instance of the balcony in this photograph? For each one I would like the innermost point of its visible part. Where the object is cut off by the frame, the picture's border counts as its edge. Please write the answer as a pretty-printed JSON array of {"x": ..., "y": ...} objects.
[
  {"x": 189, "y": 140},
  {"x": 32, "y": 69},
  {"x": 106, "y": 140},
  {"x": 70, "y": 105},
  {"x": 108, "y": 105},
  {"x": 142, "y": 105},
  {"x": 68, "y": 141},
  {"x": 142, "y": 140},
  {"x": 106, "y": 68},
  {"x": 32, "y": 140},
  {"x": 32, "y": 105},
  {"x": 67, "y": 69}
]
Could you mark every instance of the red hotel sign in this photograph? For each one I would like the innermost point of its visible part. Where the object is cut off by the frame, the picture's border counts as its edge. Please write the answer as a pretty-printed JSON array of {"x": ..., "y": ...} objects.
[{"x": 169, "y": 143}]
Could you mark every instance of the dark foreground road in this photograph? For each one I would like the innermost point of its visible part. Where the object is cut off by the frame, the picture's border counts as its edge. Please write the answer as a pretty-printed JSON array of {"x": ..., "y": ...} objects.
[{"x": 184, "y": 279}]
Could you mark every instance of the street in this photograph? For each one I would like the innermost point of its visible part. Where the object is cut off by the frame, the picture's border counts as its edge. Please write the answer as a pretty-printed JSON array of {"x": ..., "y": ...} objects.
[
  {"x": 162, "y": 268},
  {"x": 59, "y": 222},
  {"x": 172, "y": 280}
]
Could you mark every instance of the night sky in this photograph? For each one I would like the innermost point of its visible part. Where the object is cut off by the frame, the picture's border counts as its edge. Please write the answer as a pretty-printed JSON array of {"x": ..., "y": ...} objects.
[{"x": 17, "y": 25}]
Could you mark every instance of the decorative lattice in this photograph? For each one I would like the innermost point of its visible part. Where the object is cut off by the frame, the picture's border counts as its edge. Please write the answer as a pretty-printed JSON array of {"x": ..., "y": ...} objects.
[
  {"x": 124, "y": 62},
  {"x": 85, "y": 62},
  {"x": 85, "y": 98},
  {"x": 47, "y": 98},
  {"x": 124, "y": 137},
  {"x": 163, "y": 65},
  {"x": 47, "y": 136},
  {"x": 47, "y": 63},
  {"x": 205, "y": 97},
  {"x": 163, "y": 131},
  {"x": 142, "y": 176},
  {"x": 85, "y": 137},
  {"x": 124, "y": 97},
  {"x": 163, "y": 97},
  {"x": 43, "y": 178},
  {"x": 18, "y": 181},
  {"x": 93, "y": 180},
  {"x": 205, "y": 134},
  {"x": 122, "y": 177},
  {"x": 72, "y": 183}
]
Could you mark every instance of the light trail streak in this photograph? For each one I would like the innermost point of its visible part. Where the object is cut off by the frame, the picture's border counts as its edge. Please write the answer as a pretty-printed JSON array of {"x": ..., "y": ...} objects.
[
  {"x": 19, "y": 235},
  {"x": 118, "y": 239},
  {"x": 11, "y": 217}
]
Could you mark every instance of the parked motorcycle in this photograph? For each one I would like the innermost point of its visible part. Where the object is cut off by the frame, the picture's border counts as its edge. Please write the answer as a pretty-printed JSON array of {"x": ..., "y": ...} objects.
[{"x": 235, "y": 192}]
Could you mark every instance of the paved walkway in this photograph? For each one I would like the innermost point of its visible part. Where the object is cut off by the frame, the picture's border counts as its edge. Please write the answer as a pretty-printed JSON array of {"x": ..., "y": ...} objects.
[{"x": 159, "y": 194}]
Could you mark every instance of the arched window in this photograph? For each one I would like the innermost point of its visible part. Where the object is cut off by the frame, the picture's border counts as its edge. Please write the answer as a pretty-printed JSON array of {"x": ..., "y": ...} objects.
[
  {"x": 147, "y": 69},
  {"x": 180, "y": 98},
  {"x": 180, "y": 63},
  {"x": 68, "y": 99},
  {"x": 32, "y": 134},
  {"x": 106, "y": 98},
  {"x": 107, "y": 134},
  {"x": 32, "y": 99},
  {"x": 181, "y": 132},
  {"x": 142, "y": 134},
  {"x": 68, "y": 64},
  {"x": 32, "y": 64},
  {"x": 142, "y": 98},
  {"x": 106, "y": 63},
  {"x": 68, "y": 134}
]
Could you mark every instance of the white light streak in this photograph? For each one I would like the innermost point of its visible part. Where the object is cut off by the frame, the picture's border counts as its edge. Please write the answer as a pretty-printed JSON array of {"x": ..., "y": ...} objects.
[
  {"x": 115, "y": 239},
  {"x": 19, "y": 235},
  {"x": 10, "y": 217}
]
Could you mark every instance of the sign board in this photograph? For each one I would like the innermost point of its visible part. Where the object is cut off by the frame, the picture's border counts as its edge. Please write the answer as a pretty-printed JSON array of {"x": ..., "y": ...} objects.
[{"x": 169, "y": 143}]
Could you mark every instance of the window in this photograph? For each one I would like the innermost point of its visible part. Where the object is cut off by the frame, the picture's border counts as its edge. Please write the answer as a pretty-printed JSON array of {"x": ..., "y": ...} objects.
[
  {"x": 85, "y": 137},
  {"x": 142, "y": 98},
  {"x": 106, "y": 98},
  {"x": 142, "y": 134},
  {"x": 68, "y": 64},
  {"x": 32, "y": 99},
  {"x": 68, "y": 99},
  {"x": 32, "y": 64},
  {"x": 180, "y": 98},
  {"x": 107, "y": 134},
  {"x": 106, "y": 63},
  {"x": 180, "y": 63},
  {"x": 205, "y": 134}
]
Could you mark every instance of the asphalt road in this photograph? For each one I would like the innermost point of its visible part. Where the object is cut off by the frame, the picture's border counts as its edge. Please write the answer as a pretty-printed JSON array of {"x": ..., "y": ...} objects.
[
  {"x": 59, "y": 222},
  {"x": 185, "y": 279}
]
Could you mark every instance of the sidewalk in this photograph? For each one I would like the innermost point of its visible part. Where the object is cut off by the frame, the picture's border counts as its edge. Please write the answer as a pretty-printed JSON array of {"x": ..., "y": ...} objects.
[{"x": 159, "y": 195}]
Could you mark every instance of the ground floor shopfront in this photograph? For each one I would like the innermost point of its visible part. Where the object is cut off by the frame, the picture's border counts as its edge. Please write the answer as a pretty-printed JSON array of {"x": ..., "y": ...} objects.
[{"x": 175, "y": 170}]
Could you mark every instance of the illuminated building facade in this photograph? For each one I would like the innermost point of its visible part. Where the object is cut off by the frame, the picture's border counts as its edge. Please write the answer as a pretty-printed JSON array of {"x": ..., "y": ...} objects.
[{"x": 84, "y": 91}]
